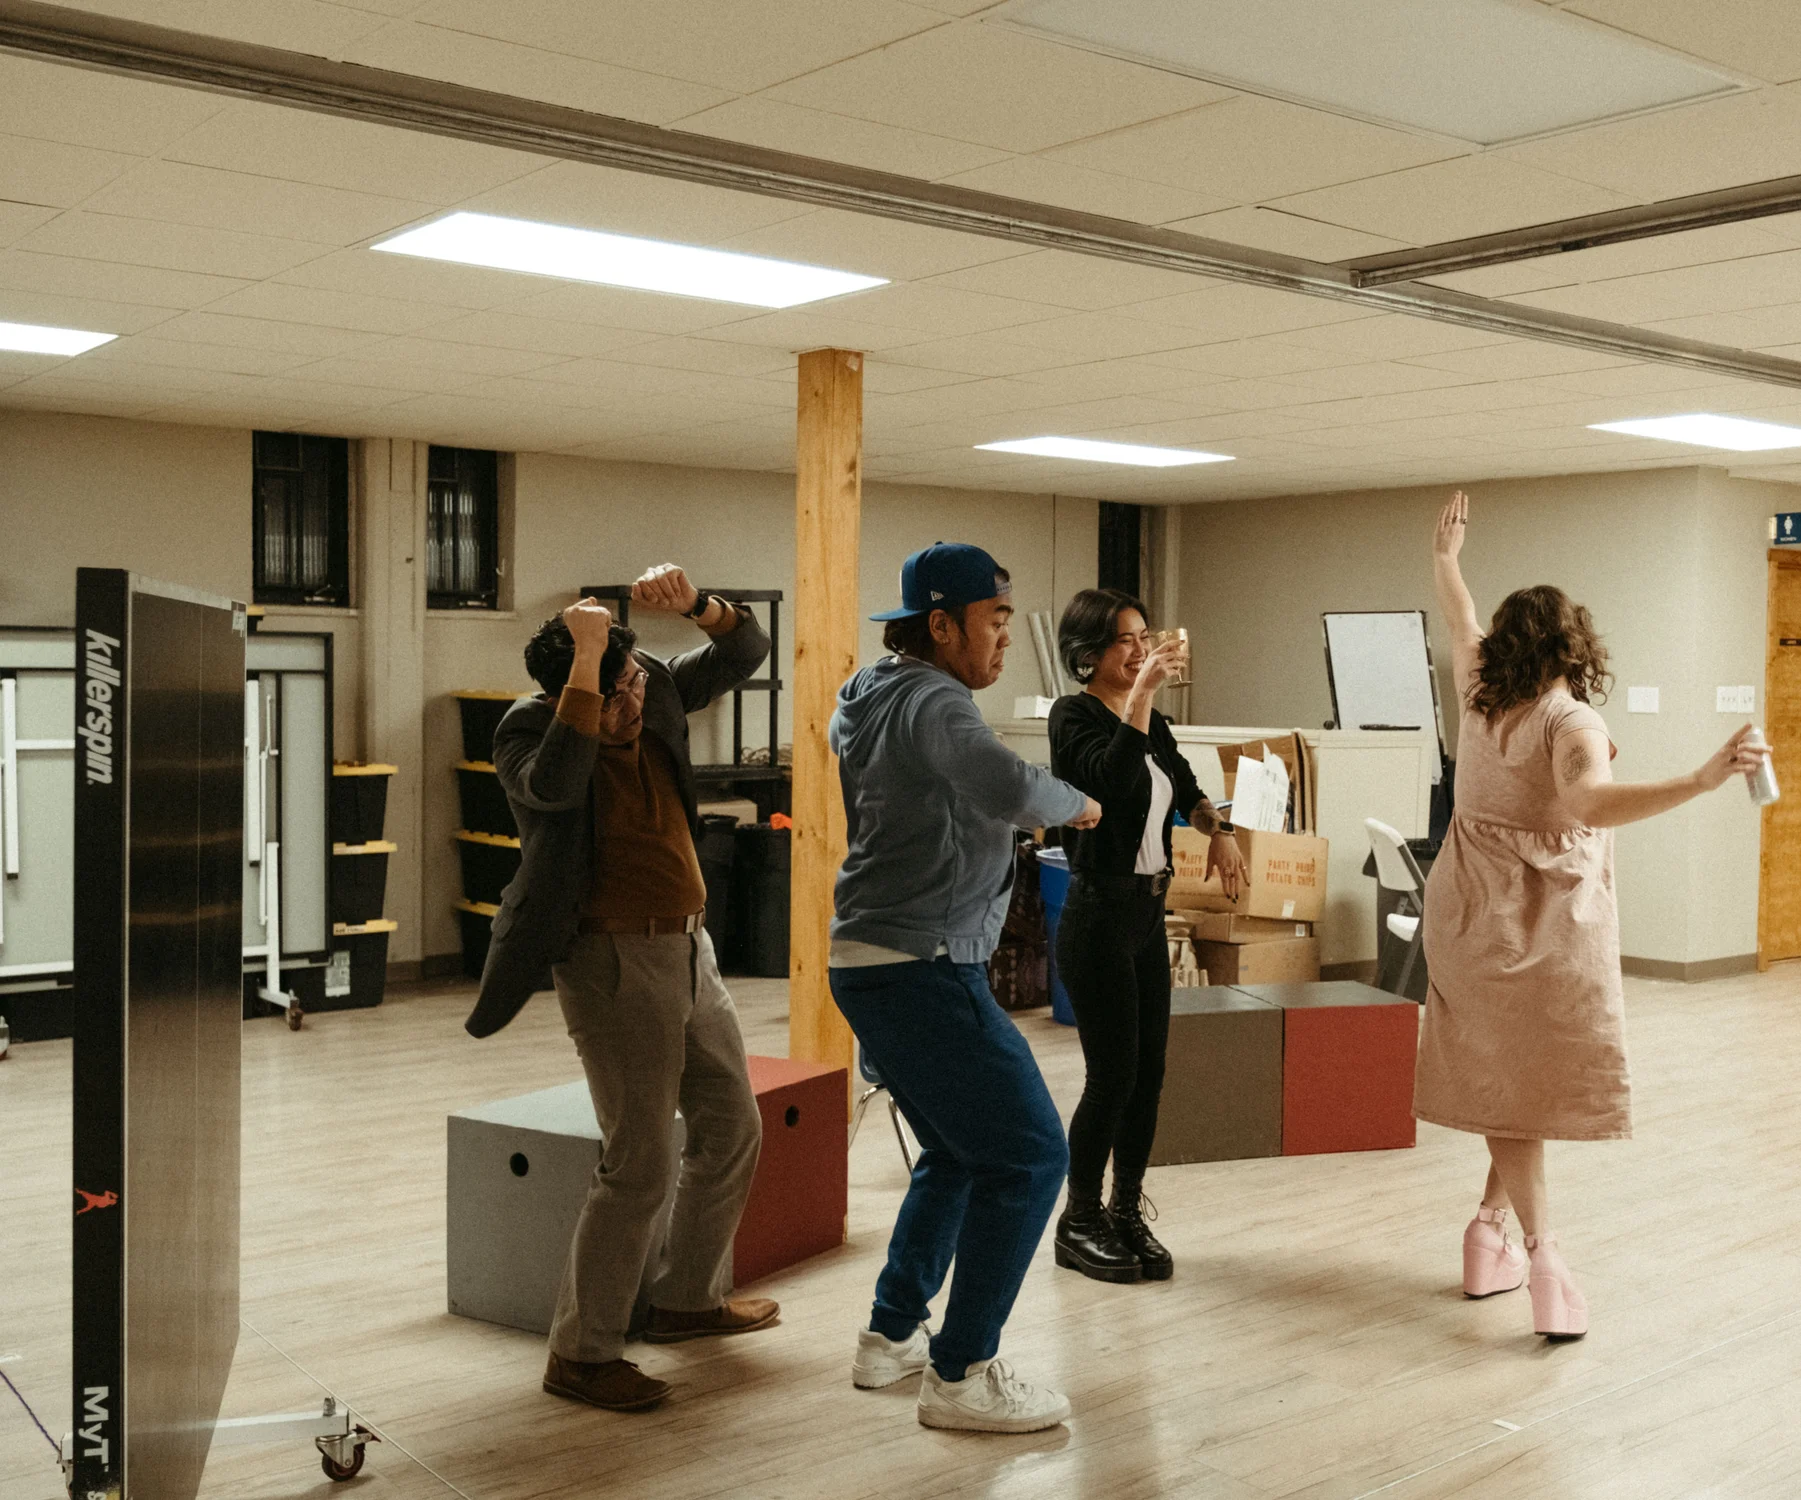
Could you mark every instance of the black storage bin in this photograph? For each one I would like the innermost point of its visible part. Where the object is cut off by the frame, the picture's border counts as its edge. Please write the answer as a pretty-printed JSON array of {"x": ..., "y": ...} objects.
[
  {"x": 482, "y": 712},
  {"x": 490, "y": 861},
  {"x": 760, "y": 884},
  {"x": 367, "y": 946},
  {"x": 717, "y": 847},
  {"x": 359, "y": 881},
  {"x": 477, "y": 921},
  {"x": 359, "y": 802},
  {"x": 485, "y": 806}
]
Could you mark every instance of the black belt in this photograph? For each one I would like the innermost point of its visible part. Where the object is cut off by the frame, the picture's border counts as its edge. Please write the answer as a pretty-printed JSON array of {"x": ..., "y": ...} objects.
[{"x": 1126, "y": 885}]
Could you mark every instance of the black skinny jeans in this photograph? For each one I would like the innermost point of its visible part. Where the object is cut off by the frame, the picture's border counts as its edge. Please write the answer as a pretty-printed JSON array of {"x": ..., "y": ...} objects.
[{"x": 1114, "y": 961}]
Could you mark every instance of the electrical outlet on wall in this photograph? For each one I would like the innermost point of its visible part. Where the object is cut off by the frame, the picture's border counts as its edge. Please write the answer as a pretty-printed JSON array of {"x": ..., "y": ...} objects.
[
  {"x": 1735, "y": 700},
  {"x": 1641, "y": 700}
]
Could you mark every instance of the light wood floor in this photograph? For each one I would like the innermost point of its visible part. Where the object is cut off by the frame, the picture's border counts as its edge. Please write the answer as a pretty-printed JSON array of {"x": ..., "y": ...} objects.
[{"x": 1313, "y": 1343}]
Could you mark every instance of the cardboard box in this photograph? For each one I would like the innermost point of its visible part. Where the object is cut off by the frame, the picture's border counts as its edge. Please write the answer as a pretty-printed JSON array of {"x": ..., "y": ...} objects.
[
  {"x": 1285, "y": 961},
  {"x": 1229, "y": 927},
  {"x": 1287, "y": 875},
  {"x": 1303, "y": 773}
]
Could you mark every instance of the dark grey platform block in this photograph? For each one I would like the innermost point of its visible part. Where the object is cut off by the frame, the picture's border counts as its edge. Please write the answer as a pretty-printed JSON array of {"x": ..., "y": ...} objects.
[
  {"x": 507, "y": 1230},
  {"x": 1323, "y": 994},
  {"x": 1222, "y": 1088}
]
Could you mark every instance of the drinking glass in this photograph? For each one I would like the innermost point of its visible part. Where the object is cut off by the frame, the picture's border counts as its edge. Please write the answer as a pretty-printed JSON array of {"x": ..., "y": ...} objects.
[{"x": 1180, "y": 638}]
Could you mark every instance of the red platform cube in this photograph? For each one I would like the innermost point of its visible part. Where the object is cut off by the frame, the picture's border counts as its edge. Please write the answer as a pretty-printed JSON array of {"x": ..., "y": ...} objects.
[
  {"x": 801, "y": 1193},
  {"x": 1347, "y": 1066}
]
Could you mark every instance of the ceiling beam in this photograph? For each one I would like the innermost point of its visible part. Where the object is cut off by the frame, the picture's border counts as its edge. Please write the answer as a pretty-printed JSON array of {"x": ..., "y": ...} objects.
[
  {"x": 1733, "y": 205},
  {"x": 408, "y": 102}
]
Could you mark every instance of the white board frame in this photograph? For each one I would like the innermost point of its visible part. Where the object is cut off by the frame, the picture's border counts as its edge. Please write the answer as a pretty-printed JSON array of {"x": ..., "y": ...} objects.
[{"x": 1338, "y": 716}]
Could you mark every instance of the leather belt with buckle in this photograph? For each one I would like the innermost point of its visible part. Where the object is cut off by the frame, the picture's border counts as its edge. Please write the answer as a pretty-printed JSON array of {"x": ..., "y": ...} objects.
[
  {"x": 646, "y": 926},
  {"x": 1127, "y": 885}
]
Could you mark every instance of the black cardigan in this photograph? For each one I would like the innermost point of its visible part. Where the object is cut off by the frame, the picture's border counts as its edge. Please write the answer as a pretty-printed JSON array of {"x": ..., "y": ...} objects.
[{"x": 1097, "y": 752}]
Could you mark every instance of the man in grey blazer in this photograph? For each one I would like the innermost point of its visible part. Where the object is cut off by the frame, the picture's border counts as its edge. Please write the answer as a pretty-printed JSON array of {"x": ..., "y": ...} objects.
[{"x": 607, "y": 907}]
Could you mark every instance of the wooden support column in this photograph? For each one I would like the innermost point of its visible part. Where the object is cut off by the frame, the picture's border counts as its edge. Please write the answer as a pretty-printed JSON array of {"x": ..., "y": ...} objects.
[{"x": 828, "y": 513}]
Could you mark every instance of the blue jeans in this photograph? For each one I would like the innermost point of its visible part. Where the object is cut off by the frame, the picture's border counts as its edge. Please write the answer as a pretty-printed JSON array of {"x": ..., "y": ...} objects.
[{"x": 992, "y": 1158}]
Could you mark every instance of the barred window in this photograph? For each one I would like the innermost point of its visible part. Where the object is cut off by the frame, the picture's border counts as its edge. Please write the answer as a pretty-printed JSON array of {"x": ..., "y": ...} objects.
[
  {"x": 300, "y": 526},
  {"x": 462, "y": 529}
]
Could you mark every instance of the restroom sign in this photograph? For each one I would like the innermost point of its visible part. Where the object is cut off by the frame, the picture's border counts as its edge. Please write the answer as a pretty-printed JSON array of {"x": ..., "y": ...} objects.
[{"x": 1785, "y": 529}]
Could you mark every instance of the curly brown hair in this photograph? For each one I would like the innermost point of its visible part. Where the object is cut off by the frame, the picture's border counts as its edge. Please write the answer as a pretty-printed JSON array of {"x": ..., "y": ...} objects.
[{"x": 1537, "y": 636}]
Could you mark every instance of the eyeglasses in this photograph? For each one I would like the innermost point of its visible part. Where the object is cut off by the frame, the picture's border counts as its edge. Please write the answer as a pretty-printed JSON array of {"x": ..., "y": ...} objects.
[{"x": 631, "y": 684}]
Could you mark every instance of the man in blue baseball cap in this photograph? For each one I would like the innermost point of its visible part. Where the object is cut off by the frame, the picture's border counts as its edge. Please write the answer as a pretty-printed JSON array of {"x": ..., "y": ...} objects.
[{"x": 932, "y": 798}]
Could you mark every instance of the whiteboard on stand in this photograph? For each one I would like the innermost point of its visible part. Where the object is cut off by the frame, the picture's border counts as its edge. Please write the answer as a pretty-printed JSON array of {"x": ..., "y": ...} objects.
[{"x": 1379, "y": 666}]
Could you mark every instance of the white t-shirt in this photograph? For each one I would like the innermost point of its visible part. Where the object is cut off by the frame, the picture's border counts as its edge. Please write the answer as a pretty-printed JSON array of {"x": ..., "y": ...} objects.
[{"x": 1150, "y": 846}]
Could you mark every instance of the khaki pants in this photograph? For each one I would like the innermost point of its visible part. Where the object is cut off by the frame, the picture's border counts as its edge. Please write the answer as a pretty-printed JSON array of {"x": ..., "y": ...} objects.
[{"x": 656, "y": 1030}]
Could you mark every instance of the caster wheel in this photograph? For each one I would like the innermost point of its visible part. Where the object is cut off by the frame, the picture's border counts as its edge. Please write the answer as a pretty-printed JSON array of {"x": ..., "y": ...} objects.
[
  {"x": 340, "y": 1472},
  {"x": 294, "y": 1019}
]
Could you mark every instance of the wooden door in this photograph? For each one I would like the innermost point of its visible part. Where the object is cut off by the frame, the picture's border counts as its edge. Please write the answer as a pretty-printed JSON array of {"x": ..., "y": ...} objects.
[{"x": 1779, "y": 889}]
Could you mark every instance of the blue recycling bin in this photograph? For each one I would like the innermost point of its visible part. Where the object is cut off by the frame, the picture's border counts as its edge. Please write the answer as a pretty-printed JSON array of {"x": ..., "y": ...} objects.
[{"x": 1053, "y": 886}]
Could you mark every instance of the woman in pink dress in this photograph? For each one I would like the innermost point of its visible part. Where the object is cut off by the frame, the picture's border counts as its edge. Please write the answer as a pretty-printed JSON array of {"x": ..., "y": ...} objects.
[{"x": 1523, "y": 1037}]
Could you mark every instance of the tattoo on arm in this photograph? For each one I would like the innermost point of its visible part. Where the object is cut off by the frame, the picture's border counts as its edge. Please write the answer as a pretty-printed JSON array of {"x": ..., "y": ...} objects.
[{"x": 1578, "y": 760}]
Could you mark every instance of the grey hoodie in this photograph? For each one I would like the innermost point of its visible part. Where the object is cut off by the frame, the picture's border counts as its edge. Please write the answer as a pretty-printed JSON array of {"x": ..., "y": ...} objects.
[{"x": 932, "y": 798}]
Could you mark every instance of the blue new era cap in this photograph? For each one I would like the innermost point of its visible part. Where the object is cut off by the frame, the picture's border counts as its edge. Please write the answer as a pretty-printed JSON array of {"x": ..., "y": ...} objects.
[{"x": 943, "y": 576}]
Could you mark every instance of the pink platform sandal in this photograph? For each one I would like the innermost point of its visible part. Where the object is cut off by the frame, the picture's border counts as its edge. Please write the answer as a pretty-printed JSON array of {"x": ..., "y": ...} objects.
[
  {"x": 1490, "y": 1263},
  {"x": 1559, "y": 1311}
]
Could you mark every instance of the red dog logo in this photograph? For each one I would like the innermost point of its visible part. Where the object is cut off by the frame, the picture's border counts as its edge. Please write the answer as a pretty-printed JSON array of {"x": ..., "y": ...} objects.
[{"x": 95, "y": 1200}]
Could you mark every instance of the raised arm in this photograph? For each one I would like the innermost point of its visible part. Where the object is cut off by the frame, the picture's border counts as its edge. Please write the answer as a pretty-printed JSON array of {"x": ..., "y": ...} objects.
[
  {"x": 1585, "y": 779},
  {"x": 737, "y": 644},
  {"x": 1454, "y": 600}
]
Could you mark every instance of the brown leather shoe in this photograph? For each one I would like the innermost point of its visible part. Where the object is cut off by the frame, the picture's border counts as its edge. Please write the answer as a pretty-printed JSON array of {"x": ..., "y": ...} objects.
[
  {"x": 616, "y": 1385},
  {"x": 741, "y": 1315}
]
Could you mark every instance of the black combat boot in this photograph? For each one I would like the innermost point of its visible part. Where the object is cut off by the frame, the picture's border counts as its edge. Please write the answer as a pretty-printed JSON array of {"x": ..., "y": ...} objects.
[
  {"x": 1128, "y": 1211},
  {"x": 1087, "y": 1242}
]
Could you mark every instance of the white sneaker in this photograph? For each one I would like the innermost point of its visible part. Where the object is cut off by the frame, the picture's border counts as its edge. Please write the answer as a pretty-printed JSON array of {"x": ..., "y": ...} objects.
[
  {"x": 989, "y": 1398},
  {"x": 881, "y": 1361}
]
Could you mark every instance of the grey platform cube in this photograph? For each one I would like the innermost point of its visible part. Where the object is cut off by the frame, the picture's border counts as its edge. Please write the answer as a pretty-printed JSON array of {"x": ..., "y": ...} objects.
[
  {"x": 1222, "y": 1087},
  {"x": 517, "y": 1174}
]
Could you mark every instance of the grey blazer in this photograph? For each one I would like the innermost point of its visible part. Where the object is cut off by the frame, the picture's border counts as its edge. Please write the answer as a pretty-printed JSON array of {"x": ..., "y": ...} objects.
[{"x": 547, "y": 771}]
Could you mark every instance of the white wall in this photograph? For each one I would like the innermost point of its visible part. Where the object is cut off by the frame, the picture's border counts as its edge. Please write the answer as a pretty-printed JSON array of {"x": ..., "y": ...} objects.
[{"x": 1671, "y": 564}]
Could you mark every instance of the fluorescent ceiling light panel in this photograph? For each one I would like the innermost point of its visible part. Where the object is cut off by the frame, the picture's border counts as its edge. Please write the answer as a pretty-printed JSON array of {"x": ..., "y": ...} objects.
[
  {"x": 620, "y": 260},
  {"x": 1704, "y": 430},
  {"x": 1090, "y": 451},
  {"x": 34, "y": 338},
  {"x": 1476, "y": 70}
]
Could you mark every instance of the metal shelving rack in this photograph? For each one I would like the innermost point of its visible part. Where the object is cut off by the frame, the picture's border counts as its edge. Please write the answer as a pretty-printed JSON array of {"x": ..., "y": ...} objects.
[{"x": 619, "y": 595}]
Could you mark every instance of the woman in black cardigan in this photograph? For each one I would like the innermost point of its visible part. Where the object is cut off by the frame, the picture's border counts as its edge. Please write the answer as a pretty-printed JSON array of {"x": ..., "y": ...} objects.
[{"x": 1111, "y": 954}]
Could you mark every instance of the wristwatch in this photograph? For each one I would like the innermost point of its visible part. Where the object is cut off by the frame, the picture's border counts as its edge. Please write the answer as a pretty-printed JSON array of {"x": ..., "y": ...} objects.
[
  {"x": 703, "y": 601},
  {"x": 1227, "y": 828}
]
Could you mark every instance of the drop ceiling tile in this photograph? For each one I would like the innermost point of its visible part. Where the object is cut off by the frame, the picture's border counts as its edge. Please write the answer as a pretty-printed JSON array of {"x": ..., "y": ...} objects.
[
  {"x": 303, "y": 304},
  {"x": 149, "y": 349},
  {"x": 716, "y": 357},
  {"x": 1262, "y": 228},
  {"x": 1757, "y": 37},
  {"x": 839, "y": 137},
  {"x": 95, "y": 314},
  {"x": 1693, "y": 291},
  {"x": 1248, "y": 150},
  {"x": 48, "y": 174},
  {"x": 883, "y": 377},
  {"x": 73, "y": 402},
  {"x": 311, "y": 26},
  {"x": 1516, "y": 359},
  {"x": 997, "y": 88},
  {"x": 1451, "y": 199},
  {"x": 618, "y": 202},
  {"x": 1252, "y": 359},
  {"x": 1635, "y": 380},
  {"x": 1390, "y": 336},
  {"x": 53, "y": 102},
  {"x": 511, "y": 329},
  {"x": 236, "y": 332},
  {"x": 177, "y": 193},
  {"x": 870, "y": 246},
  {"x": 19, "y": 220},
  {"x": 1377, "y": 379},
  {"x": 296, "y": 145},
  {"x": 1219, "y": 311},
  {"x": 148, "y": 286},
  {"x": 436, "y": 352},
  {"x": 141, "y": 380},
  {"x": 1115, "y": 377},
  {"x": 815, "y": 327},
  {"x": 1717, "y": 143},
  {"x": 1077, "y": 282},
  {"x": 532, "y": 72},
  {"x": 407, "y": 375},
  {"x": 933, "y": 309},
  {"x": 171, "y": 247},
  {"x": 1043, "y": 179},
  {"x": 743, "y": 48},
  {"x": 1104, "y": 335},
  {"x": 984, "y": 356}
]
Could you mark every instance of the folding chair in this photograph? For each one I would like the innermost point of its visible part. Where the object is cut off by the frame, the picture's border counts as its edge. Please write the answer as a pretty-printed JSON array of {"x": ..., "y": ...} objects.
[
  {"x": 867, "y": 1069},
  {"x": 1398, "y": 871}
]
